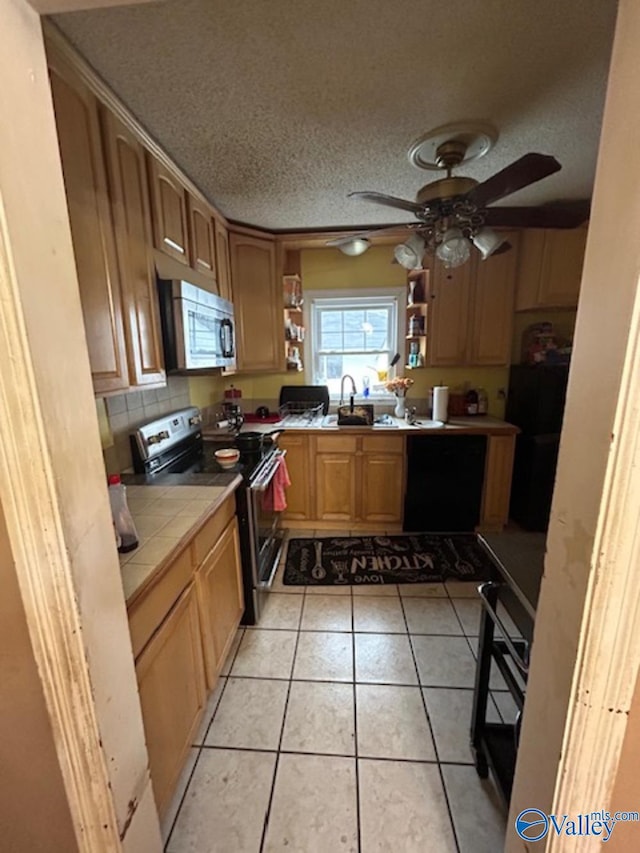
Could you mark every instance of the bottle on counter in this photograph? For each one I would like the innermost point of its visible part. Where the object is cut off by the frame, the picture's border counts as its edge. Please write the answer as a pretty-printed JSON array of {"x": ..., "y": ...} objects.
[
  {"x": 122, "y": 519},
  {"x": 483, "y": 401}
]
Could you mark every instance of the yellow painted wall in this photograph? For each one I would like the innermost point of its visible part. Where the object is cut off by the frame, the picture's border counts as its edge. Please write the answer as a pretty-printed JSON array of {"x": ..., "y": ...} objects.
[
  {"x": 327, "y": 269},
  {"x": 106, "y": 438},
  {"x": 331, "y": 269}
]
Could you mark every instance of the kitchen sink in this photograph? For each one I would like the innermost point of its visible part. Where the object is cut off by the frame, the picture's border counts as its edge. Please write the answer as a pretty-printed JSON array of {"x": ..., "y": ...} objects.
[
  {"x": 336, "y": 422},
  {"x": 356, "y": 415}
]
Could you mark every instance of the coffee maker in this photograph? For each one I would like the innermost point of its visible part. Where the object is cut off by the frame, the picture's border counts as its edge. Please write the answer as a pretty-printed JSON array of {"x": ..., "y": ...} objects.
[{"x": 232, "y": 413}]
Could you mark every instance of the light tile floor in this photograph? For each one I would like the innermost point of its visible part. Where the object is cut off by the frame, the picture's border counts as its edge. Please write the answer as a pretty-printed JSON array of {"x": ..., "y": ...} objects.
[{"x": 342, "y": 724}]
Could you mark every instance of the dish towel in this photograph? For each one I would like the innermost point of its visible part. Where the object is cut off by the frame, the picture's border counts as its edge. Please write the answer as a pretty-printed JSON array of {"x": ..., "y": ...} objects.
[{"x": 274, "y": 498}]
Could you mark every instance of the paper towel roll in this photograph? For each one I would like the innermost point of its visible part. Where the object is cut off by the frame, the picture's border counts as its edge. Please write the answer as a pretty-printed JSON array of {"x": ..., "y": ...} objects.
[{"x": 441, "y": 403}]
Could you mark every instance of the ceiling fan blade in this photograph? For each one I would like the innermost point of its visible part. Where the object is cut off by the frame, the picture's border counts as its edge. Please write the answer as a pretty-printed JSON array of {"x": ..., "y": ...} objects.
[
  {"x": 525, "y": 171},
  {"x": 373, "y": 232},
  {"x": 502, "y": 248},
  {"x": 389, "y": 201},
  {"x": 561, "y": 214}
]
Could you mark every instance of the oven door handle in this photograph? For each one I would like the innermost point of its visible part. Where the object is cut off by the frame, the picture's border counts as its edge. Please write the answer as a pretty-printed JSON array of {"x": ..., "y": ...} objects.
[
  {"x": 264, "y": 478},
  {"x": 493, "y": 613}
]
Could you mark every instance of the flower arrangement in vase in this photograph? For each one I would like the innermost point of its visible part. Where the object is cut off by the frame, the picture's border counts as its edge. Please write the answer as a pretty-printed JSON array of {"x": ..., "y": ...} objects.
[{"x": 399, "y": 387}]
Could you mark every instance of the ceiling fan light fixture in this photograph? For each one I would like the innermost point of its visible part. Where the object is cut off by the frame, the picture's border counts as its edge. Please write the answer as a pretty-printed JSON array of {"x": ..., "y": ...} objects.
[
  {"x": 354, "y": 247},
  {"x": 486, "y": 241},
  {"x": 410, "y": 253},
  {"x": 455, "y": 249}
]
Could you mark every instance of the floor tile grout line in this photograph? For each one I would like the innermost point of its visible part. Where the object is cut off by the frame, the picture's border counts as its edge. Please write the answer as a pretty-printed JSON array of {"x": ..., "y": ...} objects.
[
  {"x": 253, "y": 628},
  {"x": 182, "y": 798},
  {"x": 267, "y": 816},
  {"x": 350, "y": 756},
  {"x": 201, "y": 745},
  {"x": 433, "y": 740},
  {"x": 355, "y": 724},
  {"x": 215, "y": 710},
  {"x": 351, "y": 681}
]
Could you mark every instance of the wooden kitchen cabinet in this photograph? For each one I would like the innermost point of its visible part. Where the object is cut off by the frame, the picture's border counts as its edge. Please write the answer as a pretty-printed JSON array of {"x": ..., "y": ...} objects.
[
  {"x": 257, "y": 300},
  {"x": 382, "y": 479},
  {"x": 449, "y": 316},
  {"x": 171, "y": 683},
  {"x": 497, "y": 482},
  {"x": 223, "y": 261},
  {"x": 298, "y": 465},
  {"x": 335, "y": 487},
  {"x": 358, "y": 479},
  {"x": 132, "y": 221},
  {"x": 202, "y": 237},
  {"x": 471, "y": 314},
  {"x": 491, "y": 307},
  {"x": 168, "y": 210},
  {"x": 550, "y": 268},
  {"x": 92, "y": 231},
  {"x": 221, "y": 599}
]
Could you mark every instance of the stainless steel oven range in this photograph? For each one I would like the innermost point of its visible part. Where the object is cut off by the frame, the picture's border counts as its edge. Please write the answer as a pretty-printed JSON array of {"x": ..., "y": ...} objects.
[{"x": 171, "y": 450}]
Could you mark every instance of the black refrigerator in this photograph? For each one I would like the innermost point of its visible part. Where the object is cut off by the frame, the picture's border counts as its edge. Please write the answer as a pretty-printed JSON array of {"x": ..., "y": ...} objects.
[{"x": 536, "y": 405}]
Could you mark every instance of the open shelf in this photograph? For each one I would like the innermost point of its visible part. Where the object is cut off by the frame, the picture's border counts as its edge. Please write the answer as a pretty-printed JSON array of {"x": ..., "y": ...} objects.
[
  {"x": 293, "y": 323},
  {"x": 417, "y": 316}
]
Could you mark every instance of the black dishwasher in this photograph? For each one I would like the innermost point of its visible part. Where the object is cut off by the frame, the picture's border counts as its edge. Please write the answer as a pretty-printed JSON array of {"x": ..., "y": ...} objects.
[{"x": 445, "y": 474}]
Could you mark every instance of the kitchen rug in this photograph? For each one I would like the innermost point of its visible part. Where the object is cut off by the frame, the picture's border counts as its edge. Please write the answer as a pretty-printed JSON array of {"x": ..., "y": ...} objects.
[{"x": 371, "y": 560}]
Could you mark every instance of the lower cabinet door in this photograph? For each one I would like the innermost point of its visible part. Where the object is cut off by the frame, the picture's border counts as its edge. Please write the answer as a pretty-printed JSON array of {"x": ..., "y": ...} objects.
[
  {"x": 382, "y": 488},
  {"x": 300, "y": 490},
  {"x": 220, "y": 594},
  {"x": 171, "y": 683},
  {"x": 335, "y": 487},
  {"x": 497, "y": 482}
]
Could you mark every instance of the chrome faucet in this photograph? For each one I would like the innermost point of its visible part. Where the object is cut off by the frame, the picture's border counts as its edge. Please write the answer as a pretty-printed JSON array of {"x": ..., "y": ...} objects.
[{"x": 353, "y": 389}]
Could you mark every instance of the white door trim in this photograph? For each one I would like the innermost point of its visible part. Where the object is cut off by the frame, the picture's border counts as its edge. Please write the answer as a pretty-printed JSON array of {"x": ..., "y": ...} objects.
[
  {"x": 608, "y": 658},
  {"x": 33, "y": 516}
]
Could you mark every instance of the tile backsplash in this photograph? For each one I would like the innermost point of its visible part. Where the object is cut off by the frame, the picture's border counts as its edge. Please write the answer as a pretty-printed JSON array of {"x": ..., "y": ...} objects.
[{"x": 127, "y": 411}]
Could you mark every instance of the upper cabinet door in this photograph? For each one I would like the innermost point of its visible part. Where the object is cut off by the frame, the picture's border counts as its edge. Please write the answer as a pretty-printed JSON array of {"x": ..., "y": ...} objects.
[
  {"x": 550, "y": 268},
  {"x": 91, "y": 227},
  {"x": 449, "y": 316},
  {"x": 562, "y": 267},
  {"x": 223, "y": 261},
  {"x": 169, "y": 211},
  {"x": 257, "y": 299},
  {"x": 202, "y": 238},
  {"x": 132, "y": 220},
  {"x": 492, "y": 297}
]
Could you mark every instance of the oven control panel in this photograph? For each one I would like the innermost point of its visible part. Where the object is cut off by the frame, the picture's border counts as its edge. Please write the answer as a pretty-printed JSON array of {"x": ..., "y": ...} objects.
[{"x": 161, "y": 435}]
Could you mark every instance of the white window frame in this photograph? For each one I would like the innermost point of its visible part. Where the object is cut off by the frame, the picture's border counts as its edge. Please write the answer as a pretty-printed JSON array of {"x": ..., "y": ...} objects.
[{"x": 343, "y": 298}]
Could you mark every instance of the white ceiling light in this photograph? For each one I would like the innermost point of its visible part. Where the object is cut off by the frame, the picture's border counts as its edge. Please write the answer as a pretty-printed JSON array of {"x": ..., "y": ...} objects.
[
  {"x": 354, "y": 247},
  {"x": 410, "y": 254},
  {"x": 455, "y": 249},
  {"x": 487, "y": 241}
]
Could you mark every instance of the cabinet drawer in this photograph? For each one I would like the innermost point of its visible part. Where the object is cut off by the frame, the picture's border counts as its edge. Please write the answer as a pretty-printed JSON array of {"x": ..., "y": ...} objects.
[
  {"x": 212, "y": 530},
  {"x": 336, "y": 443},
  {"x": 148, "y": 612},
  {"x": 383, "y": 444}
]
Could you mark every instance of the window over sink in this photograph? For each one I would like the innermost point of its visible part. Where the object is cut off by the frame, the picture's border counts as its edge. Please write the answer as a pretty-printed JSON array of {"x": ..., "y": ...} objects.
[{"x": 356, "y": 334}]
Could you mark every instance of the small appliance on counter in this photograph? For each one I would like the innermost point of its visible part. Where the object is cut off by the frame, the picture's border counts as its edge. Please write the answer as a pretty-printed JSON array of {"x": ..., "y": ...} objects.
[{"x": 171, "y": 450}]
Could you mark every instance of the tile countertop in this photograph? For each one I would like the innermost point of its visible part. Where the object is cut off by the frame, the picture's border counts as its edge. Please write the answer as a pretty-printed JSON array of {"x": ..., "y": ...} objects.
[
  {"x": 165, "y": 516},
  {"x": 483, "y": 424}
]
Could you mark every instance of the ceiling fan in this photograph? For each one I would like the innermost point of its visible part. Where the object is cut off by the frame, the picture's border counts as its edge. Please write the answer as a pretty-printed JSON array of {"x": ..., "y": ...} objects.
[{"x": 453, "y": 212}]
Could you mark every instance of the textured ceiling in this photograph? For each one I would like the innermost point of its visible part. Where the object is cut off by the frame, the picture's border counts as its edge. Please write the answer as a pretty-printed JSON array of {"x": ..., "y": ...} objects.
[{"x": 278, "y": 109}]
